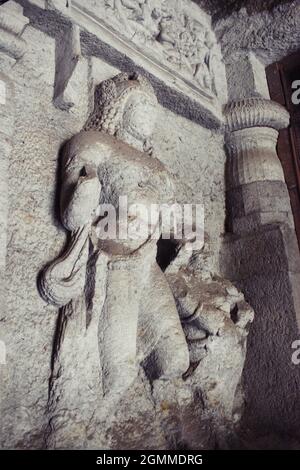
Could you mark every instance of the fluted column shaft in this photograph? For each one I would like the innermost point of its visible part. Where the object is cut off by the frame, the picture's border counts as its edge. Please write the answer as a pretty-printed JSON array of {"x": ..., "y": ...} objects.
[{"x": 256, "y": 190}]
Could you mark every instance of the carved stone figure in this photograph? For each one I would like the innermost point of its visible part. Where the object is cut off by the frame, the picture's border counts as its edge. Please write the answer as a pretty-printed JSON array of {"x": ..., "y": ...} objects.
[
  {"x": 135, "y": 8},
  {"x": 216, "y": 320},
  {"x": 118, "y": 309},
  {"x": 208, "y": 306},
  {"x": 137, "y": 17}
]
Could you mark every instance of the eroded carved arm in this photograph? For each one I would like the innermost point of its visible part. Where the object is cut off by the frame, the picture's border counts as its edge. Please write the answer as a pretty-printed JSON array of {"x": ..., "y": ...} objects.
[
  {"x": 80, "y": 196},
  {"x": 64, "y": 279}
]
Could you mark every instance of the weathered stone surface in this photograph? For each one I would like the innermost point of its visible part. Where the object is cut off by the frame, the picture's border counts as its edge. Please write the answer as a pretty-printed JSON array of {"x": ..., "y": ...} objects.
[
  {"x": 256, "y": 191},
  {"x": 216, "y": 322},
  {"x": 271, "y": 35},
  {"x": 245, "y": 76},
  {"x": 6, "y": 132},
  {"x": 255, "y": 204},
  {"x": 225, "y": 8},
  {"x": 265, "y": 265},
  {"x": 67, "y": 58}
]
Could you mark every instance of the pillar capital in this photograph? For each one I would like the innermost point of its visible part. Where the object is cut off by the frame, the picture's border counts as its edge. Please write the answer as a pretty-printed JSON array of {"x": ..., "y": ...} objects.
[
  {"x": 256, "y": 191},
  {"x": 255, "y": 112}
]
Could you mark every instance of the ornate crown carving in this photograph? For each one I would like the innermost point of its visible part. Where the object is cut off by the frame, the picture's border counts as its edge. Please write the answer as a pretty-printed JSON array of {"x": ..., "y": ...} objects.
[{"x": 110, "y": 98}]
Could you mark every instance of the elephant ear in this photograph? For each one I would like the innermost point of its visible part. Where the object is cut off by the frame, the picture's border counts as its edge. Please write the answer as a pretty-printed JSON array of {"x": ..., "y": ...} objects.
[{"x": 64, "y": 279}]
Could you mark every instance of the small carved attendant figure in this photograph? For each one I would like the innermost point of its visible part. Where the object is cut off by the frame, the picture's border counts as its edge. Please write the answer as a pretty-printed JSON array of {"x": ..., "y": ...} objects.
[{"x": 118, "y": 310}]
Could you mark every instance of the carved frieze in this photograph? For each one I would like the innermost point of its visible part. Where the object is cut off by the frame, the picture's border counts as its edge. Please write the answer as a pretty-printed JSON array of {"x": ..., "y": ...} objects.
[
  {"x": 172, "y": 40},
  {"x": 182, "y": 39}
]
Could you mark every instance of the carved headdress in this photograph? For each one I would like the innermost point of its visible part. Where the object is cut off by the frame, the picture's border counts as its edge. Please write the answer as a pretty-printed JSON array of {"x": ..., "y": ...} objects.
[{"x": 111, "y": 97}]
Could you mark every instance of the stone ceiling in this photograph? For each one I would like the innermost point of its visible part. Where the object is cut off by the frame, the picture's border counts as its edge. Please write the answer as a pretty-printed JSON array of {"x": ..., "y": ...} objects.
[{"x": 223, "y": 8}]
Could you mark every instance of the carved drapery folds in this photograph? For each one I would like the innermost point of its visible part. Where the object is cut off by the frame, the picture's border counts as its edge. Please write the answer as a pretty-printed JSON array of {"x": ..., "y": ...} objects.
[{"x": 256, "y": 191}]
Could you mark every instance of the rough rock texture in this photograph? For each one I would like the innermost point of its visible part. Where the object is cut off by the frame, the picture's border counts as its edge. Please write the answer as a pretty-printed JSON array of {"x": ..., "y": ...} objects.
[
  {"x": 265, "y": 265},
  {"x": 271, "y": 35},
  {"x": 216, "y": 320},
  {"x": 224, "y": 8}
]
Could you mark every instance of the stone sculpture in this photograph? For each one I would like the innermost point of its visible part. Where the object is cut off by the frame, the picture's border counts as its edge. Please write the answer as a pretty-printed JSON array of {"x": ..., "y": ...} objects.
[
  {"x": 118, "y": 309},
  {"x": 209, "y": 306},
  {"x": 120, "y": 314},
  {"x": 216, "y": 320}
]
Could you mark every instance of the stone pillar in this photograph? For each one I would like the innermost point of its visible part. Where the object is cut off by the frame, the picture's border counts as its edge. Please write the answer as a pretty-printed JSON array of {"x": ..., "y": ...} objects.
[
  {"x": 261, "y": 256},
  {"x": 256, "y": 191}
]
